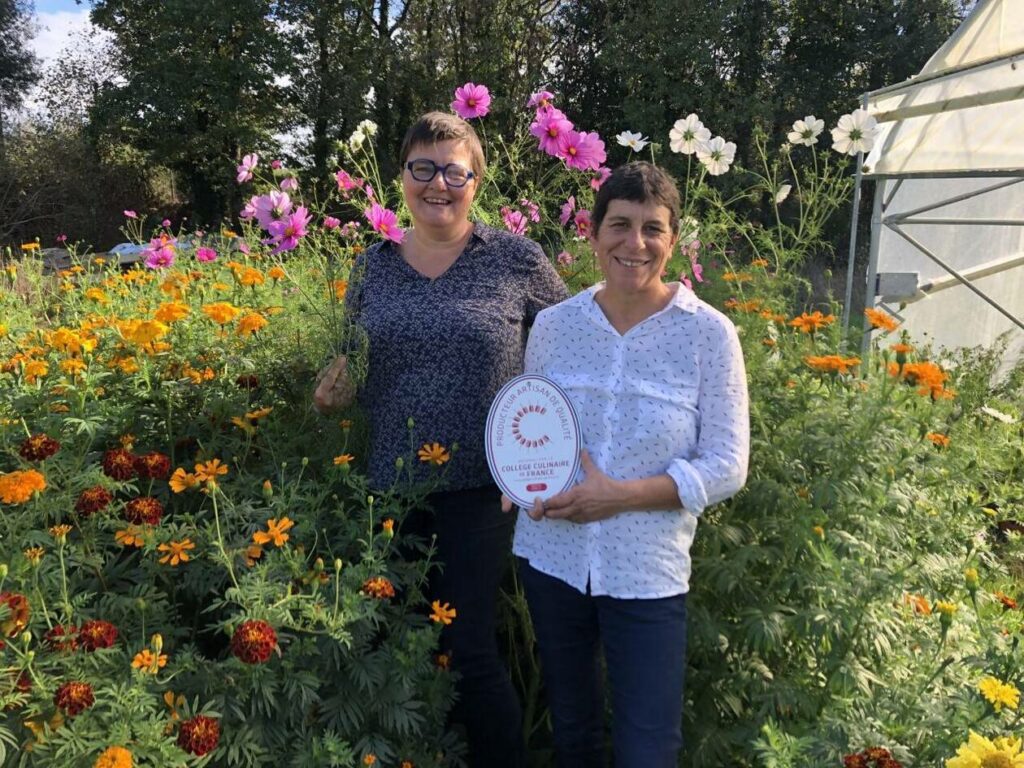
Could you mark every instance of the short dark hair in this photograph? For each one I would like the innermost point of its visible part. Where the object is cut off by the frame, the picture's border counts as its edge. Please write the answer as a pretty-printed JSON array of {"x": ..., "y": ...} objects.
[
  {"x": 442, "y": 126},
  {"x": 640, "y": 182}
]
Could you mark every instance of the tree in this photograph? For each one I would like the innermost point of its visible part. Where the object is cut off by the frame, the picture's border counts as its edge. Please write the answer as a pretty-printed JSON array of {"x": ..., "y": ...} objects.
[{"x": 19, "y": 68}]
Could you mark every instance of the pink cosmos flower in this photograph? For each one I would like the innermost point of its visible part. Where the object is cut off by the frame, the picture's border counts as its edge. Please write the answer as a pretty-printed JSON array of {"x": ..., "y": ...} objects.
[
  {"x": 471, "y": 101},
  {"x": 384, "y": 222},
  {"x": 206, "y": 254},
  {"x": 581, "y": 150},
  {"x": 350, "y": 229},
  {"x": 287, "y": 231},
  {"x": 368, "y": 189},
  {"x": 249, "y": 211},
  {"x": 165, "y": 223},
  {"x": 160, "y": 252},
  {"x": 249, "y": 163},
  {"x": 565, "y": 258},
  {"x": 685, "y": 280},
  {"x": 270, "y": 207},
  {"x": 276, "y": 164},
  {"x": 602, "y": 176},
  {"x": 331, "y": 223},
  {"x": 515, "y": 221},
  {"x": 582, "y": 222},
  {"x": 62, "y": 238},
  {"x": 548, "y": 128},
  {"x": 289, "y": 184},
  {"x": 531, "y": 209},
  {"x": 131, "y": 214},
  {"x": 693, "y": 252},
  {"x": 568, "y": 207},
  {"x": 346, "y": 183},
  {"x": 243, "y": 246},
  {"x": 540, "y": 99}
]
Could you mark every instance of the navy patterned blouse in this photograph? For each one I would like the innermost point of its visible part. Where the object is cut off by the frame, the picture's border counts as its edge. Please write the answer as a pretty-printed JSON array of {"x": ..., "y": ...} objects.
[{"x": 440, "y": 349}]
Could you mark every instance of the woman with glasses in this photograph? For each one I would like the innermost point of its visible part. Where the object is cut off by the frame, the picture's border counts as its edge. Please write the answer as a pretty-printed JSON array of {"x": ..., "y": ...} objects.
[{"x": 446, "y": 313}]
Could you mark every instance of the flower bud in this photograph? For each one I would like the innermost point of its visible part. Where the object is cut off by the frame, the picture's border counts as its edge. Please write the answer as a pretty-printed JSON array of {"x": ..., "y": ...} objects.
[
  {"x": 157, "y": 641},
  {"x": 305, "y": 461},
  {"x": 26, "y": 638},
  {"x": 268, "y": 490},
  {"x": 399, "y": 463},
  {"x": 337, "y": 565},
  {"x": 410, "y": 423},
  {"x": 318, "y": 565},
  {"x": 3, "y": 571},
  {"x": 388, "y": 527},
  {"x": 369, "y": 500},
  {"x": 971, "y": 579}
]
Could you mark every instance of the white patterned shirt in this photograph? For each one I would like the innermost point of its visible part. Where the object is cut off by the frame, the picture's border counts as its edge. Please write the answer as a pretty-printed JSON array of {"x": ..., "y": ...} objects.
[{"x": 668, "y": 396}]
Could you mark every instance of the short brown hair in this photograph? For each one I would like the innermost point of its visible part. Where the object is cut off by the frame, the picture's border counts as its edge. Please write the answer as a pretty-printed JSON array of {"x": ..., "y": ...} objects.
[
  {"x": 441, "y": 126},
  {"x": 639, "y": 182}
]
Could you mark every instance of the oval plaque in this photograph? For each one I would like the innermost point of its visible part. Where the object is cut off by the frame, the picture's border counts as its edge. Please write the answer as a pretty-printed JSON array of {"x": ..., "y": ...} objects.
[{"x": 533, "y": 440}]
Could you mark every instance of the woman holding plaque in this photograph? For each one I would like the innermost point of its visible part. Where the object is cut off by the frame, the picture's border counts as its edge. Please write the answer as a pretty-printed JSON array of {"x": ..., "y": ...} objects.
[
  {"x": 446, "y": 313},
  {"x": 657, "y": 379}
]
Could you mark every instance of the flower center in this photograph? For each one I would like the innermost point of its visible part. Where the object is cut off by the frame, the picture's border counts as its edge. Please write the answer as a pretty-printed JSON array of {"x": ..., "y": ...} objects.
[
  {"x": 997, "y": 761},
  {"x": 688, "y": 136},
  {"x": 806, "y": 134},
  {"x": 552, "y": 132},
  {"x": 856, "y": 134},
  {"x": 572, "y": 151},
  {"x": 471, "y": 102}
]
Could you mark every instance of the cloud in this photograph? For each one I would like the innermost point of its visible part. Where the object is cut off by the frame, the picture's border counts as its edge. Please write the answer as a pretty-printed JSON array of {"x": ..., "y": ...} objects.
[{"x": 58, "y": 30}]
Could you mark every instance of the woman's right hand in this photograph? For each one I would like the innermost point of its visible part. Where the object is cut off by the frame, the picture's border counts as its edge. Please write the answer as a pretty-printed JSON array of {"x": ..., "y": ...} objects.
[{"x": 335, "y": 388}]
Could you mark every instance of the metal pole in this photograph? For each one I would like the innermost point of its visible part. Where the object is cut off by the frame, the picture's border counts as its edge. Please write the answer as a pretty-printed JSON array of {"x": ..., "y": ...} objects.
[
  {"x": 900, "y": 220},
  {"x": 854, "y": 220},
  {"x": 871, "y": 291},
  {"x": 955, "y": 199}
]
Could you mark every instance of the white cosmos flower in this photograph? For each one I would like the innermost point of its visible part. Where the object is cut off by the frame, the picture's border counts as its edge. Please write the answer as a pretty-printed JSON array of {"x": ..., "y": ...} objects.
[
  {"x": 806, "y": 131},
  {"x": 688, "y": 135},
  {"x": 356, "y": 139},
  {"x": 717, "y": 155},
  {"x": 782, "y": 192},
  {"x": 855, "y": 133},
  {"x": 634, "y": 141},
  {"x": 997, "y": 415},
  {"x": 690, "y": 229},
  {"x": 368, "y": 128}
]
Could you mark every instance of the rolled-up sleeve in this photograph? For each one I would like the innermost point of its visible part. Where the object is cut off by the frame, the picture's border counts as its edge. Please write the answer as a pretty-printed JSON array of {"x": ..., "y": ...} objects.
[{"x": 717, "y": 469}]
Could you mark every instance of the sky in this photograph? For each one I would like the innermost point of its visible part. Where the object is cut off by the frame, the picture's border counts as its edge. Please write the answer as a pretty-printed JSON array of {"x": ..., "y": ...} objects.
[{"x": 55, "y": 21}]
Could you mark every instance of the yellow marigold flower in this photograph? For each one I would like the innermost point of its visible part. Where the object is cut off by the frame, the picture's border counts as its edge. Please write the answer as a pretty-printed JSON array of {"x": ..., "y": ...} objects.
[
  {"x": 72, "y": 366},
  {"x": 259, "y": 413},
  {"x": 980, "y": 752},
  {"x": 940, "y": 440},
  {"x": 881, "y": 319},
  {"x": 182, "y": 481},
  {"x": 114, "y": 757},
  {"x": 251, "y": 323},
  {"x": 947, "y": 609},
  {"x": 176, "y": 551},
  {"x": 819, "y": 531},
  {"x": 209, "y": 470},
  {"x": 971, "y": 578},
  {"x": 221, "y": 312},
  {"x": 60, "y": 532},
  {"x": 171, "y": 312},
  {"x": 35, "y": 369},
  {"x": 759, "y": 263},
  {"x": 999, "y": 694},
  {"x": 149, "y": 662},
  {"x": 34, "y": 554},
  {"x": 130, "y": 536},
  {"x": 228, "y": 233},
  {"x": 275, "y": 532},
  {"x": 127, "y": 441},
  {"x": 244, "y": 424},
  {"x": 433, "y": 453},
  {"x": 144, "y": 332},
  {"x": 97, "y": 295},
  {"x": 18, "y": 486},
  {"x": 30, "y": 246},
  {"x": 737, "y": 277},
  {"x": 344, "y": 460},
  {"x": 442, "y": 613}
]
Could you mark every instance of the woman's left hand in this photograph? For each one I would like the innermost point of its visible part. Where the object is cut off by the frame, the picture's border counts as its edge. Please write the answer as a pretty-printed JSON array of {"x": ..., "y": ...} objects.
[{"x": 598, "y": 497}]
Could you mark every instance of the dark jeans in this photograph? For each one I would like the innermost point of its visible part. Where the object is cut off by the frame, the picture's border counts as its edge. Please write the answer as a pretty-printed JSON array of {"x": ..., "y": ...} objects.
[
  {"x": 473, "y": 545},
  {"x": 645, "y": 652}
]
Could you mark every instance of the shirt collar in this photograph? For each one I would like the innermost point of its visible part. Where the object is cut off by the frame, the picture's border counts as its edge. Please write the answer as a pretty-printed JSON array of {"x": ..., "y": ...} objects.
[{"x": 683, "y": 299}]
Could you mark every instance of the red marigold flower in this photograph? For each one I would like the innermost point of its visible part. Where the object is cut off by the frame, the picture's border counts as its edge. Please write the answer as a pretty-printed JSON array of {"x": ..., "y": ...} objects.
[
  {"x": 119, "y": 464},
  {"x": 62, "y": 638},
  {"x": 254, "y": 641},
  {"x": 379, "y": 587},
  {"x": 38, "y": 447},
  {"x": 144, "y": 510},
  {"x": 248, "y": 381},
  {"x": 199, "y": 735},
  {"x": 74, "y": 697},
  {"x": 97, "y": 634},
  {"x": 876, "y": 753},
  {"x": 17, "y": 618},
  {"x": 888, "y": 762},
  {"x": 153, "y": 465},
  {"x": 93, "y": 500}
]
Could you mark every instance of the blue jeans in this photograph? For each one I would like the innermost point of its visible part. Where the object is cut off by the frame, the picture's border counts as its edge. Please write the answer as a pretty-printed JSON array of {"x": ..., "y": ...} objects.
[
  {"x": 473, "y": 543},
  {"x": 644, "y": 643}
]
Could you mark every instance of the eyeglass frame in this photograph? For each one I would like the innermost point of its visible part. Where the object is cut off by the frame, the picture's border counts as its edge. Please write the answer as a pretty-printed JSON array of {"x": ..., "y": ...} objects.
[{"x": 442, "y": 169}]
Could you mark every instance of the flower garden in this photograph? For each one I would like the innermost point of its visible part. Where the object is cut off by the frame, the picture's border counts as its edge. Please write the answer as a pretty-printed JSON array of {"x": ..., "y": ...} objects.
[{"x": 194, "y": 571}]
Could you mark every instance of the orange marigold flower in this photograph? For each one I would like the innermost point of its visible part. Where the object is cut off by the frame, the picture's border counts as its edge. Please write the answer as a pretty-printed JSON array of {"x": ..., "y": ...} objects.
[
  {"x": 919, "y": 603},
  {"x": 902, "y": 349},
  {"x": 809, "y": 323},
  {"x": 172, "y": 312},
  {"x": 939, "y": 440},
  {"x": 72, "y": 366},
  {"x": 34, "y": 554},
  {"x": 881, "y": 319},
  {"x": 344, "y": 460},
  {"x": 60, "y": 532},
  {"x": 379, "y": 587},
  {"x": 149, "y": 662},
  {"x": 832, "y": 363},
  {"x": 221, "y": 312},
  {"x": 370, "y": 759},
  {"x": 253, "y": 553},
  {"x": 254, "y": 641},
  {"x": 768, "y": 342},
  {"x": 388, "y": 525},
  {"x": 442, "y": 613},
  {"x": 114, "y": 757},
  {"x": 275, "y": 532},
  {"x": 250, "y": 277},
  {"x": 132, "y": 536},
  {"x": 737, "y": 277},
  {"x": 209, "y": 470},
  {"x": 276, "y": 273},
  {"x": 433, "y": 453},
  {"x": 34, "y": 370},
  {"x": 74, "y": 697},
  {"x": 759, "y": 263},
  {"x": 19, "y": 486},
  {"x": 177, "y": 551},
  {"x": 928, "y": 377},
  {"x": 1008, "y": 602},
  {"x": 340, "y": 289},
  {"x": 251, "y": 324},
  {"x": 443, "y": 660},
  {"x": 199, "y": 735},
  {"x": 38, "y": 447}
]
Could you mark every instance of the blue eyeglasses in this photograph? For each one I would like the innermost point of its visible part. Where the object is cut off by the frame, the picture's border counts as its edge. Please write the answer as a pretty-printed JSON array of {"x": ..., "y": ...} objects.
[{"x": 454, "y": 175}]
